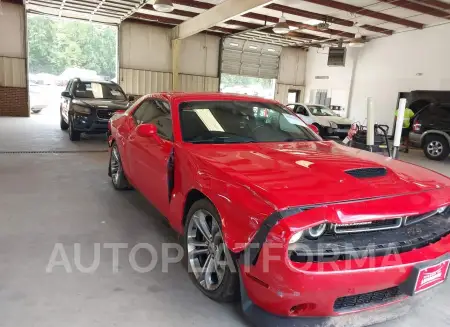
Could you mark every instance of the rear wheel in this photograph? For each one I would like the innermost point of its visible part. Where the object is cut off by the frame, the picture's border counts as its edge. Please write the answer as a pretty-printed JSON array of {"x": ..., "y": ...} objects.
[
  {"x": 436, "y": 147},
  {"x": 210, "y": 265},
  {"x": 73, "y": 134}
]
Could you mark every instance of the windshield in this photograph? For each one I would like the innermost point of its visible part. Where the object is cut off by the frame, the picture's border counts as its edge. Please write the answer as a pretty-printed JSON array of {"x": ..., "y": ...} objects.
[
  {"x": 98, "y": 90},
  {"x": 241, "y": 122},
  {"x": 320, "y": 111}
]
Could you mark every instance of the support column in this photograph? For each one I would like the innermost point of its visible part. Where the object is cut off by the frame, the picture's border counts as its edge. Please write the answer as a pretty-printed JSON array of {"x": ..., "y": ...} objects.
[{"x": 176, "y": 64}]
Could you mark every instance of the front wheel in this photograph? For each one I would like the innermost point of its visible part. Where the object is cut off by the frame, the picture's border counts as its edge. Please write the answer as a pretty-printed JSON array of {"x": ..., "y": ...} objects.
[
  {"x": 116, "y": 172},
  {"x": 209, "y": 262},
  {"x": 73, "y": 134},
  {"x": 436, "y": 147},
  {"x": 64, "y": 126}
]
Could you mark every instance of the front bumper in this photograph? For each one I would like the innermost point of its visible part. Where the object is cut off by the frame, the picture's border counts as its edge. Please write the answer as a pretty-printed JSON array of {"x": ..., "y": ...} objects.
[
  {"x": 90, "y": 124},
  {"x": 278, "y": 286}
]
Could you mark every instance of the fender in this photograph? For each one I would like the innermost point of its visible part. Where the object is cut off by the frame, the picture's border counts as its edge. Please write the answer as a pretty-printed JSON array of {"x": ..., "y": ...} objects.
[{"x": 434, "y": 131}]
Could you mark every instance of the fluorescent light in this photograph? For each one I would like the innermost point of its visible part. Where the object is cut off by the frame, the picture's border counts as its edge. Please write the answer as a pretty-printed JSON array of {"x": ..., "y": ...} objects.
[
  {"x": 253, "y": 47},
  {"x": 271, "y": 50},
  {"x": 234, "y": 44}
]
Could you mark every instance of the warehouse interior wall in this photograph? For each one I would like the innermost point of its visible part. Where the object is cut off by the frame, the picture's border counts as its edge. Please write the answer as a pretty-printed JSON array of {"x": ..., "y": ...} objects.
[
  {"x": 292, "y": 73},
  {"x": 145, "y": 60},
  {"x": 403, "y": 62},
  {"x": 13, "y": 54}
]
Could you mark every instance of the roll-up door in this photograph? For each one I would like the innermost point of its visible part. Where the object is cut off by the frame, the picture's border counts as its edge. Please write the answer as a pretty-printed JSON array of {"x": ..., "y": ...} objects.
[{"x": 249, "y": 58}]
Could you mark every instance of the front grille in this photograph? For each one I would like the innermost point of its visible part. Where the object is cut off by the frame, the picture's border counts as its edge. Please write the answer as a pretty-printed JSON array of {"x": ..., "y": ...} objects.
[
  {"x": 344, "y": 126},
  {"x": 369, "y": 226},
  {"x": 332, "y": 247},
  {"x": 361, "y": 301},
  {"x": 418, "y": 218},
  {"x": 367, "y": 172},
  {"x": 105, "y": 114}
]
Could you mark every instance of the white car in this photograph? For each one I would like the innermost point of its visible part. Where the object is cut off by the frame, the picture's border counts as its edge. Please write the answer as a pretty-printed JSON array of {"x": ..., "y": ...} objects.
[{"x": 326, "y": 120}]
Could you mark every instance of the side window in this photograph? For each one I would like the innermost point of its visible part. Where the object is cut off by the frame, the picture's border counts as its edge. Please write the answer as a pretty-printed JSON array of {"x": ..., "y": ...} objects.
[
  {"x": 291, "y": 106},
  {"x": 301, "y": 110},
  {"x": 155, "y": 112},
  {"x": 164, "y": 120}
]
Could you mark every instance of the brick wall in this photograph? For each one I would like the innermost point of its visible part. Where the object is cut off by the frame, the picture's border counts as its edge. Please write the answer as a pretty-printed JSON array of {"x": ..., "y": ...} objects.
[{"x": 14, "y": 101}]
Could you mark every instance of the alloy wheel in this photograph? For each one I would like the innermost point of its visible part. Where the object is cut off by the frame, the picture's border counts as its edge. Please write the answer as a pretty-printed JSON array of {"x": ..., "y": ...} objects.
[
  {"x": 115, "y": 165},
  {"x": 206, "y": 250},
  {"x": 435, "y": 148}
]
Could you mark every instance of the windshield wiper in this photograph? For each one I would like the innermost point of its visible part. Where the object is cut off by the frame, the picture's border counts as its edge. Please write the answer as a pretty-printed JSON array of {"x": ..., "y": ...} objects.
[
  {"x": 223, "y": 139},
  {"x": 291, "y": 139}
]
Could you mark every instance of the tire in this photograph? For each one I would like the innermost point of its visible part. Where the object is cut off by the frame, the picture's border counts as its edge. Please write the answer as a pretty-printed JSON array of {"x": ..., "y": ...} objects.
[
  {"x": 220, "y": 289},
  {"x": 64, "y": 126},
  {"x": 436, "y": 147},
  {"x": 118, "y": 178},
  {"x": 73, "y": 135}
]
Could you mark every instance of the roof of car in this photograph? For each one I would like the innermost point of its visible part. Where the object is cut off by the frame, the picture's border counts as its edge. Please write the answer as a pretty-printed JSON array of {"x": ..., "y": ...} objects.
[
  {"x": 92, "y": 80},
  {"x": 203, "y": 96}
]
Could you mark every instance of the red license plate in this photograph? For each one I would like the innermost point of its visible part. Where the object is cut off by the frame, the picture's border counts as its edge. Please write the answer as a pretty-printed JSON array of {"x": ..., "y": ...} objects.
[{"x": 431, "y": 276}]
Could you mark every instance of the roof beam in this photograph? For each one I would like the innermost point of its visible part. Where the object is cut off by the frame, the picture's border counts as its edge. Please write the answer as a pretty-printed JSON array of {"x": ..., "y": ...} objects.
[
  {"x": 377, "y": 29},
  {"x": 218, "y": 14},
  {"x": 309, "y": 14},
  {"x": 272, "y": 19},
  {"x": 419, "y": 8},
  {"x": 325, "y": 18},
  {"x": 366, "y": 12},
  {"x": 436, "y": 3}
]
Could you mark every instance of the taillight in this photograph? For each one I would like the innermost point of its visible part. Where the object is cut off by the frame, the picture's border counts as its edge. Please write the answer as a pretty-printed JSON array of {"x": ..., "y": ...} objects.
[{"x": 417, "y": 126}]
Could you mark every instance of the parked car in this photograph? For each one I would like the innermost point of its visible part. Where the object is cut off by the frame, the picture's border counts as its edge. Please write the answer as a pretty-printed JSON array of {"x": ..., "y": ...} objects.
[
  {"x": 86, "y": 106},
  {"x": 431, "y": 131},
  {"x": 298, "y": 227},
  {"x": 327, "y": 121}
]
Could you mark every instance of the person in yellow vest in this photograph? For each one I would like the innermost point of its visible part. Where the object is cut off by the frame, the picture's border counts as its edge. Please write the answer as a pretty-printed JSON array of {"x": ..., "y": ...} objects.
[{"x": 406, "y": 127}]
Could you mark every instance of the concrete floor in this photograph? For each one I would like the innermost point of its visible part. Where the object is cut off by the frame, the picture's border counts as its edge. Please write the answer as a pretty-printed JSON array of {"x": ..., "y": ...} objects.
[{"x": 67, "y": 198}]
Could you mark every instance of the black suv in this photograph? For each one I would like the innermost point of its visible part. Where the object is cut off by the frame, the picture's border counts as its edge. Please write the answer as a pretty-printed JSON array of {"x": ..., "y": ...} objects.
[
  {"x": 431, "y": 130},
  {"x": 87, "y": 105}
]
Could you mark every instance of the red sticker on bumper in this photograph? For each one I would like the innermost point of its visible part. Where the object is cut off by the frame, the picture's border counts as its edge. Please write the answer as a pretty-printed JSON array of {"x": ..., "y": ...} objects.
[{"x": 432, "y": 276}]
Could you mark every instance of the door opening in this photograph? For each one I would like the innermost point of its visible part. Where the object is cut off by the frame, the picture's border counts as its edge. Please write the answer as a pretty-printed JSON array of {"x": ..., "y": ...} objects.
[{"x": 294, "y": 96}]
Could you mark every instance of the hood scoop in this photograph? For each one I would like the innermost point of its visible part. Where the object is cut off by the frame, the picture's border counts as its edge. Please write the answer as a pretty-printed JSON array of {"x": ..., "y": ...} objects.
[{"x": 367, "y": 172}]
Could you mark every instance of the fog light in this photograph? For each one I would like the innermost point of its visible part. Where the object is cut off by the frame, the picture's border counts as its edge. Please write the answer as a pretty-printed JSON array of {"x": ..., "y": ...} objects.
[
  {"x": 296, "y": 237},
  {"x": 316, "y": 232}
]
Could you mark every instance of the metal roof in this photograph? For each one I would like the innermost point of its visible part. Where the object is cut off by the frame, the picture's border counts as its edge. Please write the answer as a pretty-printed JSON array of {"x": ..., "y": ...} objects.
[{"x": 371, "y": 18}]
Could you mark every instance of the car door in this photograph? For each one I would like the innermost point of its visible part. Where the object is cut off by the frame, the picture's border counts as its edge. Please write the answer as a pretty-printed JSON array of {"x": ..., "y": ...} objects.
[
  {"x": 65, "y": 101},
  {"x": 148, "y": 156}
]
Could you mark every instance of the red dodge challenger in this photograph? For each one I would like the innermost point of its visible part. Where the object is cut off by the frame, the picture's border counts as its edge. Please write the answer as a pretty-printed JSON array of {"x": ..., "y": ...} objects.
[{"x": 305, "y": 232}]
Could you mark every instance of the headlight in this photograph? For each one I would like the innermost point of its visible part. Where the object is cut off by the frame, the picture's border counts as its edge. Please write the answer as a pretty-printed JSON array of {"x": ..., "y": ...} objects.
[
  {"x": 333, "y": 124},
  {"x": 316, "y": 231},
  {"x": 296, "y": 237},
  {"x": 81, "y": 110},
  {"x": 312, "y": 233}
]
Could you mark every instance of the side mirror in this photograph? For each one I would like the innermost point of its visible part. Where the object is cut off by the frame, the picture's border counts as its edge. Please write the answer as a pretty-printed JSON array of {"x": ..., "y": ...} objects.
[
  {"x": 314, "y": 128},
  {"x": 66, "y": 94},
  {"x": 147, "y": 130},
  {"x": 131, "y": 98}
]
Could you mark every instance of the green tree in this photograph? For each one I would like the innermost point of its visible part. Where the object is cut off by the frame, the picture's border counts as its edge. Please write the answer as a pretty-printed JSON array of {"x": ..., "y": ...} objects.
[{"x": 57, "y": 44}]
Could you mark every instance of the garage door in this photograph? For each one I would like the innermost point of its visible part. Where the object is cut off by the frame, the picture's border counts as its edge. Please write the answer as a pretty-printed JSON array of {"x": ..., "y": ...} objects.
[{"x": 249, "y": 58}]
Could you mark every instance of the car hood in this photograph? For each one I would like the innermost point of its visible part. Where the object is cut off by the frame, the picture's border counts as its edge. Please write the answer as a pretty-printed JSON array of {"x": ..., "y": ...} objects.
[
  {"x": 325, "y": 120},
  {"x": 306, "y": 173},
  {"x": 104, "y": 104}
]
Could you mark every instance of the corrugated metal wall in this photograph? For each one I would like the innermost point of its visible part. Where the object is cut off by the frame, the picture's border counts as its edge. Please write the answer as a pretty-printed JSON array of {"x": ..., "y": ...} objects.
[
  {"x": 140, "y": 82},
  {"x": 13, "y": 72},
  {"x": 193, "y": 83}
]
